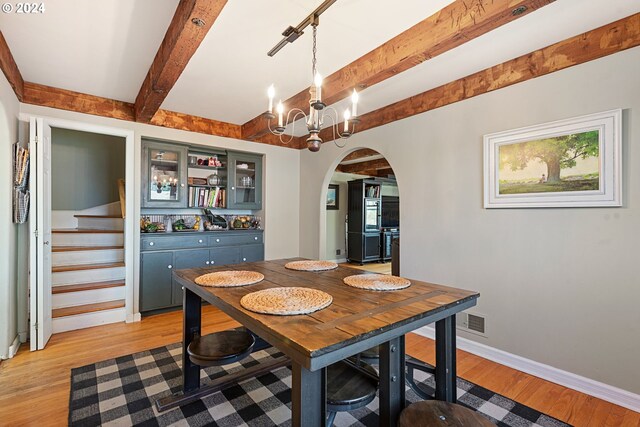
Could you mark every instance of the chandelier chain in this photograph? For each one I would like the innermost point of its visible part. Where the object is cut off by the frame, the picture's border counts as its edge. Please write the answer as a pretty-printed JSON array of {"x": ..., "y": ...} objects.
[{"x": 314, "y": 49}]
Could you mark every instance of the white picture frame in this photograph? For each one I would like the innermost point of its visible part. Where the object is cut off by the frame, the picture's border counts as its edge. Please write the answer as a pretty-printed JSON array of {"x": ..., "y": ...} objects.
[{"x": 516, "y": 147}]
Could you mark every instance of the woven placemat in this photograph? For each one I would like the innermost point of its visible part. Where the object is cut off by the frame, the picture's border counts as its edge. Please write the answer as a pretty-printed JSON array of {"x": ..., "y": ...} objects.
[
  {"x": 377, "y": 282},
  {"x": 311, "y": 265},
  {"x": 230, "y": 278},
  {"x": 286, "y": 301}
]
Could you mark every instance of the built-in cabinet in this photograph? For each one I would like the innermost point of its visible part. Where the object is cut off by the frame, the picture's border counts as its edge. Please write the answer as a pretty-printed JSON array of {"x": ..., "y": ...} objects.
[
  {"x": 164, "y": 175},
  {"x": 363, "y": 221},
  {"x": 245, "y": 181},
  {"x": 180, "y": 176},
  {"x": 160, "y": 254}
]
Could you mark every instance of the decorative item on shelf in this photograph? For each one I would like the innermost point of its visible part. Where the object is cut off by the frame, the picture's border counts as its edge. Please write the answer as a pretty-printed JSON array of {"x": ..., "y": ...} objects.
[
  {"x": 211, "y": 161},
  {"x": 246, "y": 181},
  {"x": 214, "y": 179},
  {"x": 242, "y": 166},
  {"x": 196, "y": 181},
  {"x": 193, "y": 161},
  {"x": 319, "y": 113},
  {"x": 149, "y": 226},
  {"x": 244, "y": 222}
]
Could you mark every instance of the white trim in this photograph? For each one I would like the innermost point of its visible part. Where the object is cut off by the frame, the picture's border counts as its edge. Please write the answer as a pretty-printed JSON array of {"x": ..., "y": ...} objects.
[
  {"x": 13, "y": 348},
  {"x": 132, "y": 204},
  {"x": 338, "y": 261},
  {"x": 133, "y": 318},
  {"x": 579, "y": 383}
]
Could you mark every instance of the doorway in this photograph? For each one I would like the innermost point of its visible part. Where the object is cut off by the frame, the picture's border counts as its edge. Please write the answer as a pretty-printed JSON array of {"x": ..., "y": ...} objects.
[
  {"x": 81, "y": 250},
  {"x": 365, "y": 218}
]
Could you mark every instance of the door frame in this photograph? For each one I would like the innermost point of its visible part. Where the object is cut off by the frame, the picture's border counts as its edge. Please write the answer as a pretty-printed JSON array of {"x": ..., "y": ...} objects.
[{"x": 132, "y": 314}]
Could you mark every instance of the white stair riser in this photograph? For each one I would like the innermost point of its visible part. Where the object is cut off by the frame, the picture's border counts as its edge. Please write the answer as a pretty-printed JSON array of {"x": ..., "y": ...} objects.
[
  {"x": 87, "y": 257},
  {"x": 87, "y": 239},
  {"x": 80, "y": 321},
  {"x": 71, "y": 299},
  {"x": 101, "y": 223},
  {"x": 88, "y": 276}
]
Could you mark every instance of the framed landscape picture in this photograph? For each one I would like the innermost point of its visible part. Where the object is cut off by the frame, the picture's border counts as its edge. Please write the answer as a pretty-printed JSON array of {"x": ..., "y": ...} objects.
[
  {"x": 568, "y": 163},
  {"x": 333, "y": 197}
]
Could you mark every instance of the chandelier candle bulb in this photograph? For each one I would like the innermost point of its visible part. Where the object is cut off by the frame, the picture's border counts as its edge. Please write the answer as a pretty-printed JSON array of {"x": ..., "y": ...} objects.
[
  {"x": 271, "y": 92},
  {"x": 280, "y": 109},
  {"x": 354, "y": 102},
  {"x": 317, "y": 81},
  {"x": 347, "y": 115}
]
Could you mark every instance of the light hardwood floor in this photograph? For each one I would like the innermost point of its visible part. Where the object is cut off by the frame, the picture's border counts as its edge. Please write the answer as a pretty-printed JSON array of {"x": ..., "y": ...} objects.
[
  {"x": 373, "y": 267},
  {"x": 34, "y": 387}
]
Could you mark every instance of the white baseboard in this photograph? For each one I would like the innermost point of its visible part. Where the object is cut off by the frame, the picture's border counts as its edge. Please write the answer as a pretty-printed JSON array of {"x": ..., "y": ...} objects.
[
  {"x": 579, "y": 383},
  {"x": 13, "y": 349},
  {"x": 136, "y": 317},
  {"x": 338, "y": 261}
]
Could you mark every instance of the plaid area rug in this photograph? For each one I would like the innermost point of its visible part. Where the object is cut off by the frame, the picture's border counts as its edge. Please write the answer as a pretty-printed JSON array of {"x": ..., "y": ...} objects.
[{"x": 123, "y": 391}]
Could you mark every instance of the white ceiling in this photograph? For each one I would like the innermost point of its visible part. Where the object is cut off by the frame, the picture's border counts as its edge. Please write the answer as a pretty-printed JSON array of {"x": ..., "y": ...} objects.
[{"x": 105, "y": 48}]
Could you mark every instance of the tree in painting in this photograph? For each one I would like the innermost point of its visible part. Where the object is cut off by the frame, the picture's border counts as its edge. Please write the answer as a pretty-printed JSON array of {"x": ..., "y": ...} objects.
[{"x": 560, "y": 152}]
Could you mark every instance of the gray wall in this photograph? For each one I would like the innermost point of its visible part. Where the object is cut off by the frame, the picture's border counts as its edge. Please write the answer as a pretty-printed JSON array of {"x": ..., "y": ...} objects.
[
  {"x": 558, "y": 286},
  {"x": 9, "y": 109},
  {"x": 336, "y": 218},
  {"x": 85, "y": 168}
]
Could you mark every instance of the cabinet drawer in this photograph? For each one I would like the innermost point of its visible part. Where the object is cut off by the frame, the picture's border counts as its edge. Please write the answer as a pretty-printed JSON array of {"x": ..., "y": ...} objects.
[
  {"x": 242, "y": 238},
  {"x": 149, "y": 243}
]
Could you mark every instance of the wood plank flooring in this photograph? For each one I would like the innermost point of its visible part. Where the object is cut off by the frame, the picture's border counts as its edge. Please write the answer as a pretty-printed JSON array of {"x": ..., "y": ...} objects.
[
  {"x": 35, "y": 386},
  {"x": 373, "y": 267}
]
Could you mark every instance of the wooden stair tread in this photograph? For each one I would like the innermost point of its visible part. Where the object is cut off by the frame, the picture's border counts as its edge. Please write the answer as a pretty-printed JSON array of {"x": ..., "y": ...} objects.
[
  {"x": 86, "y": 286},
  {"x": 84, "y": 230},
  {"x": 78, "y": 267},
  {"x": 87, "y": 308},
  {"x": 98, "y": 216},
  {"x": 83, "y": 248}
]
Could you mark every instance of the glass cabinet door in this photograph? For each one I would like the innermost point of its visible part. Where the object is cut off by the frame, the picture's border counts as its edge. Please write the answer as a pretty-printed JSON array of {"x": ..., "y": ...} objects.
[
  {"x": 164, "y": 185},
  {"x": 245, "y": 179}
]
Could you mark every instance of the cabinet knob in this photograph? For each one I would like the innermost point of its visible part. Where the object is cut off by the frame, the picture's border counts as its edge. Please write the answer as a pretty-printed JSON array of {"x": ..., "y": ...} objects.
[
  {"x": 233, "y": 188},
  {"x": 169, "y": 266},
  {"x": 200, "y": 241},
  {"x": 151, "y": 243},
  {"x": 244, "y": 259},
  {"x": 255, "y": 238},
  {"x": 207, "y": 262},
  {"x": 212, "y": 262},
  {"x": 217, "y": 240},
  {"x": 182, "y": 287},
  {"x": 182, "y": 185}
]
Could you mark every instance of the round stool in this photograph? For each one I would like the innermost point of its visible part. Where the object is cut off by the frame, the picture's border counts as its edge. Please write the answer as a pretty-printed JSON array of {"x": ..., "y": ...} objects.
[
  {"x": 349, "y": 388},
  {"x": 436, "y": 413},
  {"x": 220, "y": 348}
]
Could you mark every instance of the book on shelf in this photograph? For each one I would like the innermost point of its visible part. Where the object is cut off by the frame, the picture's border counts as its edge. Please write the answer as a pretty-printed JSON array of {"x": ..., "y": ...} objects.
[{"x": 202, "y": 197}]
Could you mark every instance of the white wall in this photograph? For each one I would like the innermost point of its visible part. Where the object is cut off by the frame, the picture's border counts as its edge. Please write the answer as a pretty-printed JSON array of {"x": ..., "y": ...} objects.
[
  {"x": 9, "y": 109},
  {"x": 281, "y": 177},
  {"x": 558, "y": 286}
]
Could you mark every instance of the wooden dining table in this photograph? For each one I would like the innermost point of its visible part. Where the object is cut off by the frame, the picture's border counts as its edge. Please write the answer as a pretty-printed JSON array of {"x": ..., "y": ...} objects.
[{"x": 355, "y": 321}]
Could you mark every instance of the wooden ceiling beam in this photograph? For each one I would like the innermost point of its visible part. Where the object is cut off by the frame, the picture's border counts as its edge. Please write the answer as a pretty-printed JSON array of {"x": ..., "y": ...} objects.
[
  {"x": 62, "y": 99},
  {"x": 456, "y": 24},
  {"x": 365, "y": 166},
  {"x": 606, "y": 40},
  {"x": 10, "y": 69},
  {"x": 189, "y": 26},
  {"x": 359, "y": 154}
]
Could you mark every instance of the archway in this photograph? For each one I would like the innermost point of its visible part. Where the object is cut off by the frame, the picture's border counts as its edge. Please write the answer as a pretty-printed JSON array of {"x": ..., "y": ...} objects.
[{"x": 361, "y": 184}]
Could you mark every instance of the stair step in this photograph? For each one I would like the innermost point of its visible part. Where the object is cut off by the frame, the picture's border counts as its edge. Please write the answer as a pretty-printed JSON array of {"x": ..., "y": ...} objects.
[
  {"x": 98, "y": 216},
  {"x": 84, "y": 230},
  {"x": 87, "y": 286},
  {"x": 87, "y": 308},
  {"x": 83, "y": 248},
  {"x": 78, "y": 267}
]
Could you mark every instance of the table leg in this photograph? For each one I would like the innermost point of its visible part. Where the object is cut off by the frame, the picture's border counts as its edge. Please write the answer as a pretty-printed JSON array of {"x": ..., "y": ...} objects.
[
  {"x": 308, "y": 397},
  {"x": 192, "y": 315},
  {"x": 392, "y": 378},
  {"x": 446, "y": 359}
]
